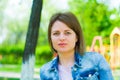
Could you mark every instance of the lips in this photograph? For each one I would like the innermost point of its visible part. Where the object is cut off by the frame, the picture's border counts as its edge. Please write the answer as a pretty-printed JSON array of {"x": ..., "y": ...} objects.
[{"x": 62, "y": 44}]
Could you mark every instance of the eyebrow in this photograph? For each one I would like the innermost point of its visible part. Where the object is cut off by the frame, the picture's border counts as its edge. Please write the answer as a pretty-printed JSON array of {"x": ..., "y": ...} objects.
[{"x": 58, "y": 30}]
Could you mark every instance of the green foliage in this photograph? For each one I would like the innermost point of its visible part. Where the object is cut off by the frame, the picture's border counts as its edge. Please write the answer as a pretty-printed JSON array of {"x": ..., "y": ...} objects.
[
  {"x": 94, "y": 18},
  {"x": 14, "y": 26},
  {"x": 13, "y": 54},
  {"x": 43, "y": 54},
  {"x": 5, "y": 50},
  {"x": 2, "y": 7}
]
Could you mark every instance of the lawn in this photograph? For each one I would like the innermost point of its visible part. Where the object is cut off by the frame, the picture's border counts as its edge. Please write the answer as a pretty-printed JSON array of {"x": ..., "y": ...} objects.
[
  {"x": 14, "y": 68},
  {"x": 10, "y": 68},
  {"x": 9, "y": 78}
]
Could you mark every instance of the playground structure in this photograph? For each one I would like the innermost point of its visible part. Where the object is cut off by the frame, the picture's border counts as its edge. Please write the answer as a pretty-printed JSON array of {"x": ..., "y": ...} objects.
[
  {"x": 113, "y": 55},
  {"x": 101, "y": 48},
  {"x": 115, "y": 48}
]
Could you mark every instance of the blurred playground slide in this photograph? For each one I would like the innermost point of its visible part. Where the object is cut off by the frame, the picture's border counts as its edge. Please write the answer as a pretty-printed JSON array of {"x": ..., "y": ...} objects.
[{"x": 110, "y": 52}]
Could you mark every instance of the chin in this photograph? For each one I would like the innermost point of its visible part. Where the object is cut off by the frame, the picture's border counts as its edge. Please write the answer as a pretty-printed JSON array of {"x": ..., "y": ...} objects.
[{"x": 63, "y": 51}]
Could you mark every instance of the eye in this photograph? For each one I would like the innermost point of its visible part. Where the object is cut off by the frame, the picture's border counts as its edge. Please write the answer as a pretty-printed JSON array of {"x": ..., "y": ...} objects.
[
  {"x": 56, "y": 33},
  {"x": 67, "y": 33}
]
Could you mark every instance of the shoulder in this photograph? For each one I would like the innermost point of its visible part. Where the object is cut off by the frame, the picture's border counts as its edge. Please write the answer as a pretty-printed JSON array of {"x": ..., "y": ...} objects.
[
  {"x": 48, "y": 65},
  {"x": 46, "y": 69},
  {"x": 98, "y": 59},
  {"x": 93, "y": 55}
]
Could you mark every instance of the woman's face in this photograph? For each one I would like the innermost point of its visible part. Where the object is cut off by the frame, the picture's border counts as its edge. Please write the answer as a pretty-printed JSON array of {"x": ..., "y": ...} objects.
[{"x": 63, "y": 38}]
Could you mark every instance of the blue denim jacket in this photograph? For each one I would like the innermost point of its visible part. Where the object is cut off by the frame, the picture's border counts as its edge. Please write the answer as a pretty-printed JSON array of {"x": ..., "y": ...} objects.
[{"x": 91, "y": 66}]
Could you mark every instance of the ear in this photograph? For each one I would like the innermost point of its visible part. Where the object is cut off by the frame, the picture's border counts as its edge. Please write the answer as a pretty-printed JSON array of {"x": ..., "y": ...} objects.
[{"x": 76, "y": 39}]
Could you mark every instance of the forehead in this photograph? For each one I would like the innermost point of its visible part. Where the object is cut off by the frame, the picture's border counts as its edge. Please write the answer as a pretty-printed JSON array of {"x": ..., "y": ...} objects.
[{"x": 58, "y": 25}]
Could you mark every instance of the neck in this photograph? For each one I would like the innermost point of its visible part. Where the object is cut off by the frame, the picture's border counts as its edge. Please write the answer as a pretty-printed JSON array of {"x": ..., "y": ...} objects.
[{"x": 66, "y": 59}]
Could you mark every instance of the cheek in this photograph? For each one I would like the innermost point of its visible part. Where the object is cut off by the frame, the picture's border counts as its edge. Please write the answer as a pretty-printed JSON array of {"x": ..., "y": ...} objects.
[
  {"x": 54, "y": 41},
  {"x": 75, "y": 39}
]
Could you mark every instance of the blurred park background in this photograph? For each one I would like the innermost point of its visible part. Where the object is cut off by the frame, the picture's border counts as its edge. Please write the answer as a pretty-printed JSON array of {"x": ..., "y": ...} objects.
[{"x": 100, "y": 21}]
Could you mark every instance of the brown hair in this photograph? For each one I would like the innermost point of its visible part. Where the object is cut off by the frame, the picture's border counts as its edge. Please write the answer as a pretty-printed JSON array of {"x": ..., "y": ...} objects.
[{"x": 72, "y": 22}]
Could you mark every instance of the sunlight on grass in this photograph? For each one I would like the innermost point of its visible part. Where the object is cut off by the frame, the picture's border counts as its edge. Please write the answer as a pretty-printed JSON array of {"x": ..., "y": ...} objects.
[{"x": 10, "y": 68}]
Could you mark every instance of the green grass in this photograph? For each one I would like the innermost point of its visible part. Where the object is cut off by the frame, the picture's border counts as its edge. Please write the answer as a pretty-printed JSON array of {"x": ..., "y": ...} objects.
[
  {"x": 9, "y": 78},
  {"x": 10, "y": 68},
  {"x": 14, "y": 68},
  {"x": 117, "y": 78}
]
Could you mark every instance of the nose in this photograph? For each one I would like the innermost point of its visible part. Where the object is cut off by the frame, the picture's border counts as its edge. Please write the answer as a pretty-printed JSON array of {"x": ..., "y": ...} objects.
[{"x": 62, "y": 37}]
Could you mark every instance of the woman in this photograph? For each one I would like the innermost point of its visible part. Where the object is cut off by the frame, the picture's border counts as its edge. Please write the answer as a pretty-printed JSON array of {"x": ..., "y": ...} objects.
[{"x": 72, "y": 63}]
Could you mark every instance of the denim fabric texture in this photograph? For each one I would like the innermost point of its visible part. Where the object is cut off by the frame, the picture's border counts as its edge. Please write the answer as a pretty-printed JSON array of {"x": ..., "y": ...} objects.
[{"x": 91, "y": 66}]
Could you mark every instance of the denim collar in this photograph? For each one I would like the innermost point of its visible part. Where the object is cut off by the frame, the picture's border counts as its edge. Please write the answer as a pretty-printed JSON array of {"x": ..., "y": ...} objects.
[
  {"x": 55, "y": 61},
  {"x": 78, "y": 59}
]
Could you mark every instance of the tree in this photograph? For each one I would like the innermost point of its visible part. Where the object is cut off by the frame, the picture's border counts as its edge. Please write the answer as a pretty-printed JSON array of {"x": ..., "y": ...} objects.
[
  {"x": 3, "y": 4},
  {"x": 94, "y": 18},
  {"x": 31, "y": 41}
]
